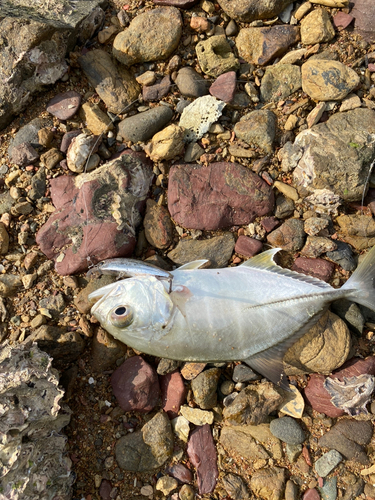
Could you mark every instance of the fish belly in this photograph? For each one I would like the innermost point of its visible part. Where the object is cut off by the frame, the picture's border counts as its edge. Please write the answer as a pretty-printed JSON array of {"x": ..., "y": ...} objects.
[{"x": 232, "y": 314}]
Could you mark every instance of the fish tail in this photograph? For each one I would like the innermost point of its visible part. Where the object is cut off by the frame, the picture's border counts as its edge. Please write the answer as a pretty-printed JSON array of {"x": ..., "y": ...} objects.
[{"x": 362, "y": 282}]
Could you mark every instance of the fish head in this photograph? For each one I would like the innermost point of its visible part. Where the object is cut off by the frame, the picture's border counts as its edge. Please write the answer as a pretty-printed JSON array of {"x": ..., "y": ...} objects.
[{"x": 136, "y": 311}]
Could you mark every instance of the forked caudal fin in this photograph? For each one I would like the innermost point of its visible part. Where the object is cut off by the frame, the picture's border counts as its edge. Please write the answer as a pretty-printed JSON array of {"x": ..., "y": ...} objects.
[{"x": 362, "y": 282}]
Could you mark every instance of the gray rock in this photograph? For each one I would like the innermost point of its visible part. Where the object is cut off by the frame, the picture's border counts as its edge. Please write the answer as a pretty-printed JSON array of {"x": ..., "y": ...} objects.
[
  {"x": 23, "y": 154},
  {"x": 143, "y": 126},
  {"x": 34, "y": 42},
  {"x": 218, "y": 250},
  {"x": 114, "y": 84},
  {"x": 291, "y": 490},
  {"x": 204, "y": 388},
  {"x": 29, "y": 133},
  {"x": 147, "y": 449},
  {"x": 317, "y": 245},
  {"x": 343, "y": 256},
  {"x": 351, "y": 313},
  {"x": 328, "y": 80},
  {"x": 293, "y": 451},
  {"x": 235, "y": 487},
  {"x": 280, "y": 81},
  {"x": 243, "y": 373},
  {"x": 251, "y": 10},
  {"x": 54, "y": 303},
  {"x": 167, "y": 366},
  {"x": 287, "y": 430},
  {"x": 193, "y": 152},
  {"x": 215, "y": 56},
  {"x": 190, "y": 83},
  {"x": 327, "y": 462},
  {"x": 289, "y": 236},
  {"x": 348, "y": 161},
  {"x": 151, "y": 36},
  {"x": 259, "y": 128},
  {"x": 329, "y": 489},
  {"x": 284, "y": 207}
]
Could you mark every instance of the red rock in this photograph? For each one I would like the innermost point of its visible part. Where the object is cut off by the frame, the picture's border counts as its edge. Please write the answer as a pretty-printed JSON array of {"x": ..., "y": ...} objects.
[
  {"x": 83, "y": 224},
  {"x": 181, "y": 4},
  {"x": 311, "y": 494},
  {"x": 67, "y": 139},
  {"x": 269, "y": 223},
  {"x": 65, "y": 106},
  {"x": 224, "y": 86},
  {"x": 135, "y": 385},
  {"x": 355, "y": 367},
  {"x": 157, "y": 91},
  {"x": 180, "y": 472},
  {"x": 201, "y": 451},
  {"x": 363, "y": 13},
  {"x": 342, "y": 20},
  {"x": 371, "y": 67},
  {"x": 158, "y": 225},
  {"x": 23, "y": 154},
  {"x": 319, "y": 268},
  {"x": 173, "y": 393},
  {"x": 200, "y": 24},
  {"x": 317, "y": 397},
  {"x": 105, "y": 489},
  {"x": 248, "y": 246},
  {"x": 225, "y": 194}
]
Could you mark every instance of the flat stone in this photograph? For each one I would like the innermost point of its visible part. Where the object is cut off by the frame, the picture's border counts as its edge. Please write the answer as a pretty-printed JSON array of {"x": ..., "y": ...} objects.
[
  {"x": 215, "y": 56},
  {"x": 289, "y": 236},
  {"x": 96, "y": 120},
  {"x": 142, "y": 126},
  {"x": 328, "y": 80},
  {"x": 114, "y": 84},
  {"x": 287, "y": 430},
  {"x": 83, "y": 209},
  {"x": 146, "y": 78},
  {"x": 237, "y": 441},
  {"x": 327, "y": 462},
  {"x": 157, "y": 91},
  {"x": 318, "y": 268},
  {"x": 135, "y": 385},
  {"x": 268, "y": 483},
  {"x": 259, "y": 128},
  {"x": 65, "y": 106},
  {"x": 280, "y": 81},
  {"x": 224, "y": 86},
  {"x": 180, "y": 472},
  {"x": 236, "y": 487},
  {"x": 261, "y": 45},
  {"x": 316, "y": 27},
  {"x": 173, "y": 393},
  {"x": 252, "y": 10},
  {"x": 317, "y": 245},
  {"x": 197, "y": 416},
  {"x": 151, "y": 36},
  {"x": 210, "y": 183},
  {"x": 363, "y": 12},
  {"x": 23, "y": 154},
  {"x": 248, "y": 246},
  {"x": 201, "y": 451},
  {"x": 349, "y": 161},
  {"x": 311, "y": 494},
  {"x": 218, "y": 250},
  {"x": 343, "y": 256},
  {"x": 190, "y": 83}
]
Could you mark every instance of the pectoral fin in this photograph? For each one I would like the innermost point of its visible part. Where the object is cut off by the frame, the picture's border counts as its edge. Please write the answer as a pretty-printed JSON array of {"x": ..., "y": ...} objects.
[
  {"x": 179, "y": 296},
  {"x": 269, "y": 362}
]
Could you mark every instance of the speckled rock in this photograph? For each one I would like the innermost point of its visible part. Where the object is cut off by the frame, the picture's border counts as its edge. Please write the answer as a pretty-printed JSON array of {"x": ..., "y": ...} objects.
[
  {"x": 218, "y": 250},
  {"x": 261, "y": 45},
  {"x": 204, "y": 388},
  {"x": 289, "y": 236},
  {"x": 158, "y": 225},
  {"x": 317, "y": 245},
  {"x": 201, "y": 451},
  {"x": 151, "y": 36},
  {"x": 259, "y": 128},
  {"x": 248, "y": 11},
  {"x": 81, "y": 153},
  {"x": 343, "y": 256},
  {"x": 147, "y": 449},
  {"x": 280, "y": 81},
  {"x": 209, "y": 209},
  {"x": 215, "y": 56},
  {"x": 287, "y": 430},
  {"x": 327, "y": 462},
  {"x": 328, "y": 80}
]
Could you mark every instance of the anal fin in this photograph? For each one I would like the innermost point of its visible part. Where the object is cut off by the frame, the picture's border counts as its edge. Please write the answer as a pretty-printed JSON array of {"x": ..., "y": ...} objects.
[{"x": 269, "y": 362}]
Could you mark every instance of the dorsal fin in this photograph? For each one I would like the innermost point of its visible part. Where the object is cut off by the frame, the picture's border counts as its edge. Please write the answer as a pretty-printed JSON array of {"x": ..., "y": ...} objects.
[
  {"x": 195, "y": 264},
  {"x": 265, "y": 261}
]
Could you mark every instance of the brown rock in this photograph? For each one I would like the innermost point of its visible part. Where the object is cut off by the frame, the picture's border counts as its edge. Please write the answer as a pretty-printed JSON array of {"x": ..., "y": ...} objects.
[
  {"x": 224, "y": 86},
  {"x": 173, "y": 393},
  {"x": 342, "y": 20},
  {"x": 268, "y": 483},
  {"x": 318, "y": 268},
  {"x": 135, "y": 385},
  {"x": 157, "y": 91},
  {"x": 226, "y": 194},
  {"x": 45, "y": 137},
  {"x": 105, "y": 351},
  {"x": 261, "y": 45},
  {"x": 64, "y": 106},
  {"x": 4, "y": 239},
  {"x": 51, "y": 158},
  {"x": 252, "y": 10},
  {"x": 316, "y": 27},
  {"x": 200, "y": 24},
  {"x": 289, "y": 236},
  {"x": 192, "y": 370},
  {"x": 158, "y": 225},
  {"x": 236, "y": 440},
  {"x": 202, "y": 454},
  {"x": 248, "y": 246}
]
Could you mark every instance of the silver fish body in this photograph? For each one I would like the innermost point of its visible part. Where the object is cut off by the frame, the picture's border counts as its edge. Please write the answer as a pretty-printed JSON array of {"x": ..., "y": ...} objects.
[{"x": 253, "y": 312}]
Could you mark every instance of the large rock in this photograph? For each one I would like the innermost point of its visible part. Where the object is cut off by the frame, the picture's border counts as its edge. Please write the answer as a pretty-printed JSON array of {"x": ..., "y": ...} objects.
[
  {"x": 151, "y": 36},
  {"x": 226, "y": 194},
  {"x": 33, "y": 45},
  {"x": 96, "y": 214},
  {"x": 251, "y": 10},
  {"x": 343, "y": 168},
  {"x": 115, "y": 85},
  {"x": 260, "y": 45}
]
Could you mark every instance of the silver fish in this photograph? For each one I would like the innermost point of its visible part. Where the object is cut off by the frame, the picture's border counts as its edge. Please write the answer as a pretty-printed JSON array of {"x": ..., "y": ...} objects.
[{"x": 251, "y": 313}]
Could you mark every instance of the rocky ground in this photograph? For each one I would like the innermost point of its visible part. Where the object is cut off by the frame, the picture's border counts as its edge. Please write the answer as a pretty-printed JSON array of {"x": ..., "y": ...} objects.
[{"x": 181, "y": 131}]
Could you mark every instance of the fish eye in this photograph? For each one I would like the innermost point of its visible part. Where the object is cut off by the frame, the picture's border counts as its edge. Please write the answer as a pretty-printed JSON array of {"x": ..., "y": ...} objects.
[{"x": 121, "y": 316}]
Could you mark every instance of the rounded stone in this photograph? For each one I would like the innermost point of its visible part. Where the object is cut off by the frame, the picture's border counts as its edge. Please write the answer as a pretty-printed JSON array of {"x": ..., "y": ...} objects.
[
  {"x": 251, "y": 10},
  {"x": 287, "y": 430},
  {"x": 64, "y": 106},
  {"x": 143, "y": 126},
  {"x": 190, "y": 83},
  {"x": 316, "y": 27},
  {"x": 151, "y": 36}
]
